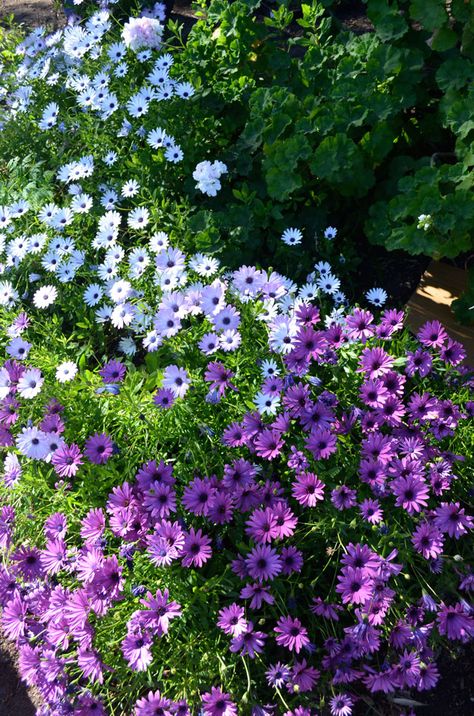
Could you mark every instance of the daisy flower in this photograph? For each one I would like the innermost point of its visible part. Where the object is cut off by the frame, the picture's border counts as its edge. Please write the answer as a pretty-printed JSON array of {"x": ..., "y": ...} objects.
[
  {"x": 66, "y": 371},
  {"x": 45, "y": 296},
  {"x": 291, "y": 237}
]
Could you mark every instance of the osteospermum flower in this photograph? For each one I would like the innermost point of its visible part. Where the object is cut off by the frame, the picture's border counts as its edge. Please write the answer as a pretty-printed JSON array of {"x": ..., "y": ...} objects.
[
  {"x": 164, "y": 398},
  {"x": 159, "y": 611},
  {"x": 375, "y": 362},
  {"x": 291, "y": 633},
  {"x": 371, "y": 511},
  {"x": 428, "y": 540},
  {"x": 355, "y": 585},
  {"x": 30, "y": 383},
  {"x": 291, "y": 237},
  {"x": 232, "y": 620},
  {"x": 196, "y": 549},
  {"x": 113, "y": 372},
  {"x": 14, "y": 618},
  {"x": 136, "y": 649},
  {"x": 308, "y": 489},
  {"x": 250, "y": 643},
  {"x": 66, "y": 460},
  {"x": 411, "y": 493},
  {"x": 341, "y": 705},
  {"x": 263, "y": 563},
  {"x": 45, "y": 296},
  {"x": 455, "y": 622},
  {"x": 217, "y": 703},
  {"x": 66, "y": 371},
  {"x": 154, "y": 703},
  {"x": 432, "y": 334},
  {"x": 142, "y": 32},
  {"x": 98, "y": 448},
  {"x": 177, "y": 380},
  {"x": 452, "y": 519}
]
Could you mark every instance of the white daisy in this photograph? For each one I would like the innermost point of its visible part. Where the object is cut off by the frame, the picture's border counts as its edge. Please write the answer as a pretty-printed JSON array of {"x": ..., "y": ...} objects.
[
  {"x": 45, "y": 296},
  {"x": 291, "y": 237},
  {"x": 66, "y": 371},
  {"x": 30, "y": 383},
  {"x": 376, "y": 296}
]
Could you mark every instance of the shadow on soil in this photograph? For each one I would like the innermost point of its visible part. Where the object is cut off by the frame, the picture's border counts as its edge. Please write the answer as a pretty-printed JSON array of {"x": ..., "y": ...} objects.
[{"x": 14, "y": 697}]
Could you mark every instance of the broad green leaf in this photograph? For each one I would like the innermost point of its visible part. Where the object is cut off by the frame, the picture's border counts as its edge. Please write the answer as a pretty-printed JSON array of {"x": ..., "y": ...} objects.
[
  {"x": 444, "y": 39},
  {"x": 388, "y": 23},
  {"x": 430, "y": 14}
]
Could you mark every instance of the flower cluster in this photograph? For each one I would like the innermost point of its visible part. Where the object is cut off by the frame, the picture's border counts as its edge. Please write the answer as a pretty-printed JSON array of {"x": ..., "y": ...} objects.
[
  {"x": 207, "y": 175},
  {"x": 304, "y": 456}
]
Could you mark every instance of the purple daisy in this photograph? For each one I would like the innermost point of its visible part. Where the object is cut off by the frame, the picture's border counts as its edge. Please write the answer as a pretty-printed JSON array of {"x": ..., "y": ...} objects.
[
  {"x": 196, "y": 549},
  {"x": 308, "y": 489},
  {"x": 66, "y": 460},
  {"x": 428, "y": 540},
  {"x": 249, "y": 643},
  {"x": 93, "y": 525},
  {"x": 277, "y": 675},
  {"x": 268, "y": 444},
  {"x": 359, "y": 324},
  {"x": 432, "y": 334},
  {"x": 455, "y": 622},
  {"x": 263, "y": 563},
  {"x": 371, "y": 511},
  {"x": 154, "y": 703},
  {"x": 262, "y": 526},
  {"x": 420, "y": 362},
  {"x": 355, "y": 585},
  {"x": 232, "y": 620},
  {"x": 411, "y": 493},
  {"x": 451, "y": 518},
  {"x": 217, "y": 703},
  {"x": 375, "y": 362},
  {"x": 343, "y": 497},
  {"x": 291, "y": 634},
  {"x": 321, "y": 443},
  {"x": 136, "y": 649},
  {"x": 164, "y": 398},
  {"x": 177, "y": 380},
  {"x": 113, "y": 372},
  {"x": 159, "y": 611},
  {"x": 258, "y": 594},
  {"x": 219, "y": 377},
  {"x": 14, "y": 618},
  {"x": 98, "y": 448},
  {"x": 341, "y": 705}
]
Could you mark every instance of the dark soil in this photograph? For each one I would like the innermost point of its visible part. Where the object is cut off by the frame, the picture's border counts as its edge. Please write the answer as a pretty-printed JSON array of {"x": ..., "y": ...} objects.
[
  {"x": 15, "y": 698},
  {"x": 32, "y": 13}
]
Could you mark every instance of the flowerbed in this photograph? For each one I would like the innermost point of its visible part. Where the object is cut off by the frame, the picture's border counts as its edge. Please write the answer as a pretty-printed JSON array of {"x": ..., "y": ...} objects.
[{"x": 221, "y": 490}]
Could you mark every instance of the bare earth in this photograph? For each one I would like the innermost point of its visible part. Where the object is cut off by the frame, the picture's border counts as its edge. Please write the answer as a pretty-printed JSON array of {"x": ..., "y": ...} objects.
[{"x": 32, "y": 13}]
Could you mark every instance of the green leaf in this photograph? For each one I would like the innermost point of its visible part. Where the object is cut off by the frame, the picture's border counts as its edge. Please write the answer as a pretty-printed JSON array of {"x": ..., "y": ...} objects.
[
  {"x": 379, "y": 142},
  {"x": 431, "y": 15},
  {"x": 444, "y": 39},
  {"x": 389, "y": 24},
  {"x": 280, "y": 165},
  {"x": 340, "y": 161},
  {"x": 455, "y": 73}
]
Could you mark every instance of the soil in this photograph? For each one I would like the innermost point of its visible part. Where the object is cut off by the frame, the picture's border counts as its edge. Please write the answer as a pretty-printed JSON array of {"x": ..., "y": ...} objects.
[
  {"x": 15, "y": 698},
  {"x": 32, "y": 13}
]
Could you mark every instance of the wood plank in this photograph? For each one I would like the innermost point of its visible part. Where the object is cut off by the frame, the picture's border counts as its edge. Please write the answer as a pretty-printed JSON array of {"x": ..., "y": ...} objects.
[{"x": 439, "y": 286}]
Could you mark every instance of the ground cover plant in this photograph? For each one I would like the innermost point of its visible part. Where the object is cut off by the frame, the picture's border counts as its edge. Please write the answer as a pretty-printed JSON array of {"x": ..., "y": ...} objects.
[
  {"x": 318, "y": 127},
  {"x": 222, "y": 491}
]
